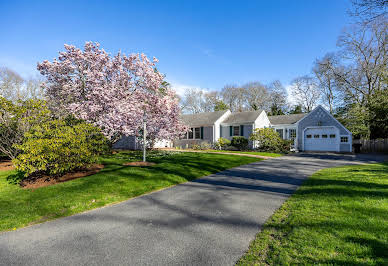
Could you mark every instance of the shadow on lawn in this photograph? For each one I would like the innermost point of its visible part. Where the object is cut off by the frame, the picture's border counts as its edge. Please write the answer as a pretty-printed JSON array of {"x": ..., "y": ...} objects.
[
  {"x": 337, "y": 188},
  {"x": 173, "y": 168},
  {"x": 366, "y": 158},
  {"x": 378, "y": 248}
]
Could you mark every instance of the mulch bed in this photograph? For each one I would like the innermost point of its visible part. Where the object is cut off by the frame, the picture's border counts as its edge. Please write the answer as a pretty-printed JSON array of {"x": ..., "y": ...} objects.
[
  {"x": 6, "y": 165},
  {"x": 139, "y": 164},
  {"x": 43, "y": 180}
]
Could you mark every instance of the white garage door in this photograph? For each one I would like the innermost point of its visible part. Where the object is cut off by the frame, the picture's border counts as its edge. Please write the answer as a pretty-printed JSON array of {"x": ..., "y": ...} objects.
[{"x": 321, "y": 139}]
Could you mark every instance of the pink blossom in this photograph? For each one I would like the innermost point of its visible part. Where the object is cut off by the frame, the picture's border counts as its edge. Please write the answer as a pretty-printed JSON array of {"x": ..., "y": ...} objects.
[{"x": 112, "y": 92}]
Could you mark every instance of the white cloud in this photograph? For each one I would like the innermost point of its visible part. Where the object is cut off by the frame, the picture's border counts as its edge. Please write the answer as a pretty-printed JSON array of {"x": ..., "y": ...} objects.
[{"x": 181, "y": 88}]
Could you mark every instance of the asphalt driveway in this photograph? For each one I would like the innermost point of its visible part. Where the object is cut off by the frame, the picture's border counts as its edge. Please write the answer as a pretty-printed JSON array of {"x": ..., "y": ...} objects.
[{"x": 209, "y": 221}]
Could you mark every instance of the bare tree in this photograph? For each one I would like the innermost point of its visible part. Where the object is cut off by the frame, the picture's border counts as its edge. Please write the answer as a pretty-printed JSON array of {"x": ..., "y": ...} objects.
[
  {"x": 11, "y": 84},
  {"x": 210, "y": 100},
  {"x": 192, "y": 101},
  {"x": 13, "y": 87},
  {"x": 327, "y": 79},
  {"x": 365, "y": 60},
  {"x": 33, "y": 88},
  {"x": 256, "y": 96},
  {"x": 278, "y": 98},
  {"x": 305, "y": 92},
  {"x": 234, "y": 97},
  {"x": 198, "y": 101},
  {"x": 369, "y": 10}
]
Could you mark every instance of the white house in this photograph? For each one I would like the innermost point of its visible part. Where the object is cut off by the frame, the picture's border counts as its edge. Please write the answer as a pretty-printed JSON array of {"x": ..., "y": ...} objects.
[{"x": 315, "y": 131}]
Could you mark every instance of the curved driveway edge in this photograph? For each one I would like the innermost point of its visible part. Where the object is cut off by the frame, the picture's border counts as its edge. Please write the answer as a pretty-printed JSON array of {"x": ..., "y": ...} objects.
[
  {"x": 209, "y": 221},
  {"x": 219, "y": 152}
]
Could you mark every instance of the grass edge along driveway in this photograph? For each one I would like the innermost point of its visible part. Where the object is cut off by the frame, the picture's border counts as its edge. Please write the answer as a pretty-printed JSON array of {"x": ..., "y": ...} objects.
[
  {"x": 258, "y": 153},
  {"x": 115, "y": 183},
  {"x": 338, "y": 216}
]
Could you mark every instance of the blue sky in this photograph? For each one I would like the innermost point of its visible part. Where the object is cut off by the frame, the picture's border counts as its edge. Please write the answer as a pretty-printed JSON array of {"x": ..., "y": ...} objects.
[{"x": 204, "y": 44}]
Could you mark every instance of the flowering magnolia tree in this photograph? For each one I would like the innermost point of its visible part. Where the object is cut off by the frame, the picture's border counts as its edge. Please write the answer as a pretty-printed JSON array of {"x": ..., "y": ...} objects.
[{"x": 112, "y": 92}]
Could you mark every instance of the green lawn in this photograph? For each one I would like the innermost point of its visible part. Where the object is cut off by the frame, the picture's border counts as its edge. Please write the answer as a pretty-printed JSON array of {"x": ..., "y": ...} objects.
[
  {"x": 115, "y": 183},
  {"x": 338, "y": 216}
]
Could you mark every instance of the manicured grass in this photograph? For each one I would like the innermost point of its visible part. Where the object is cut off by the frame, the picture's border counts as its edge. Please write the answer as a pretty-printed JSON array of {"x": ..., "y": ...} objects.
[
  {"x": 115, "y": 183},
  {"x": 338, "y": 216},
  {"x": 269, "y": 154}
]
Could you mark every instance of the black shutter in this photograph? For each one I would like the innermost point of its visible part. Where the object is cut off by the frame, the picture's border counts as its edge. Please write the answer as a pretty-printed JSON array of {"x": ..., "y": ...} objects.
[
  {"x": 231, "y": 131},
  {"x": 220, "y": 131},
  {"x": 201, "y": 132},
  {"x": 241, "y": 130}
]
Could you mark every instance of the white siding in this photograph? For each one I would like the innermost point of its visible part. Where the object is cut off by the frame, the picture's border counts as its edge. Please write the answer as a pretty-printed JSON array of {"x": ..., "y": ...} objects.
[
  {"x": 216, "y": 126},
  {"x": 262, "y": 121}
]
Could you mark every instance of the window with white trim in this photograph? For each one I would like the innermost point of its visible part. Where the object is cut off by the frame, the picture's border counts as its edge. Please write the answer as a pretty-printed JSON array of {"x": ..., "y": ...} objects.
[
  {"x": 292, "y": 133},
  {"x": 332, "y": 136},
  {"x": 344, "y": 139},
  {"x": 236, "y": 131},
  {"x": 316, "y": 136},
  {"x": 280, "y": 132},
  {"x": 194, "y": 133},
  {"x": 197, "y": 133}
]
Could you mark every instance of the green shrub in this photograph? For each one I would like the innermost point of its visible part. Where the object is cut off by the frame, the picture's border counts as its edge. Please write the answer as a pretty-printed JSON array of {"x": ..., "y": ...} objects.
[
  {"x": 201, "y": 146},
  {"x": 222, "y": 143},
  {"x": 240, "y": 143},
  {"x": 16, "y": 118},
  {"x": 196, "y": 146},
  {"x": 286, "y": 145},
  {"x": 56, "y": 147},
  {"x": 269, "y": 140}
]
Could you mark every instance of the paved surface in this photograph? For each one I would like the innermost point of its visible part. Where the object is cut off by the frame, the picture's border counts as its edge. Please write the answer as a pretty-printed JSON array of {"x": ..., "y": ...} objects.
[
  {"x": 210, "y": 221},
  {"x": 227, "y": 153}
]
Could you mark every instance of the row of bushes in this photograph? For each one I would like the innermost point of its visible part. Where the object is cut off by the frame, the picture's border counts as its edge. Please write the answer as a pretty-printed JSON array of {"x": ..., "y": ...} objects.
[
  {"x": 237, "y": 143},
  {"x": 40, "y": 143},
  {"x": 267, "y": 139}
]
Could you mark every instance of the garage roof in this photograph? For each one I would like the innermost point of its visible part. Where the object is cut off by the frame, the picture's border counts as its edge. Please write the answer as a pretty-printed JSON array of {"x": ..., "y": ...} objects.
[{"x": 285, "y": 119}]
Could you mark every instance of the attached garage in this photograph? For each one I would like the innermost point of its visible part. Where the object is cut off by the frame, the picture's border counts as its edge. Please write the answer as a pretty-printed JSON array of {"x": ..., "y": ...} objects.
[
  {"x": 320, "y": 131},
  {"x": 321, "y": 139}
]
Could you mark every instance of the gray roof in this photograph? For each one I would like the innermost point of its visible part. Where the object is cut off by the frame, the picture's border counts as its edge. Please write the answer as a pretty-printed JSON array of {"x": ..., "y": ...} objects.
[
  {"x": 242, "y": 117},
  {"x": 285, "y": 119},
  {"x": 202, "y": 119}
]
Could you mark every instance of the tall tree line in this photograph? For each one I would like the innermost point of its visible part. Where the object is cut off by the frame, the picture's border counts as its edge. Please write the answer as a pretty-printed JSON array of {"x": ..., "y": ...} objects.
[
  {"x": 248, "y": 97},
  {"x": 354, "y": 80},
  {"x": 350, "y": 82},
  {"x": 13, "y": 87}
]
